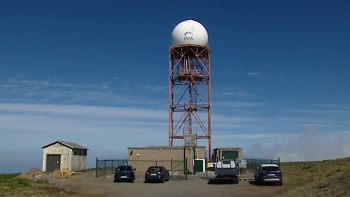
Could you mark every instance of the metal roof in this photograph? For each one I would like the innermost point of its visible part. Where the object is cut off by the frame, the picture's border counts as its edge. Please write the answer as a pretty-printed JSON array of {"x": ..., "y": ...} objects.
[
  {"x": 228, "y": 148},
  {"x": 67, "y": 144},
  {"x": 164, "y": 147},
  {"x": 265, "y": 165}
]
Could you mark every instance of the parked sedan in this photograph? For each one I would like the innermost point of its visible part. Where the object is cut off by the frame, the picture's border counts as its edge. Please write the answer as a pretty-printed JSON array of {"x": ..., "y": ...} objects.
[
  {"x": 157, "y": 173},
  {"x": 268, "y": 173},
  {"x": 125, "y": 172}
]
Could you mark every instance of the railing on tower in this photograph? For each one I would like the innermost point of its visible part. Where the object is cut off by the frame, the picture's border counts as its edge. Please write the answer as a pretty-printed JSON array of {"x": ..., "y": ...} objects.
[{"x": 189, "y": 92}]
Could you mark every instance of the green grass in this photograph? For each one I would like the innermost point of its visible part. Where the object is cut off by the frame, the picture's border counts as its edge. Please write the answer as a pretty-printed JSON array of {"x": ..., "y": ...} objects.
[
  {"x": 294, "y": 180},
  {"x": 10, "y": 185},
  {"x": 4, "y": 177},
  {"x": 310, "y": 171},
  {"x": 10, "y": 180}
]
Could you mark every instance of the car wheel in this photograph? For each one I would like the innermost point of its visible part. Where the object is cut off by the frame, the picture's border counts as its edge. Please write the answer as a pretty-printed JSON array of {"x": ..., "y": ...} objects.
[
  {"x": 280, "y": 183},
  {"x": 163, "y": 180}
]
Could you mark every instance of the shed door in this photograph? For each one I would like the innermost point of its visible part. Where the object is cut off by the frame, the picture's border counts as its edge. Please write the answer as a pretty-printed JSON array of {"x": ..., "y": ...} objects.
[
  {"x": 53, "y": 162},
  {"x": 198, "y": 165}
]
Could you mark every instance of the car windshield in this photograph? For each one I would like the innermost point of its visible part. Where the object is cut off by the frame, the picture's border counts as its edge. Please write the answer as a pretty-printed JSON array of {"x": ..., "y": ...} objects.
[
  {"x": 154, "y": 169},
  {"x": 226, "y": 162},
  {"x": 124, "y": 168},
  {"x": 270, "y": 168}
]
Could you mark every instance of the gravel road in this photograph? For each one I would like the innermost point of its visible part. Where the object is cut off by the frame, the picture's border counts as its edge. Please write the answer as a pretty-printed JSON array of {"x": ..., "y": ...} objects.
[{"x": 193, "y": 186}]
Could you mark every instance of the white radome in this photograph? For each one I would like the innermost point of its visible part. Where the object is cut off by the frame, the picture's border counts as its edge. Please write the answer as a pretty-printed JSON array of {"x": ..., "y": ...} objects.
[{"x": 189, "y": 32}]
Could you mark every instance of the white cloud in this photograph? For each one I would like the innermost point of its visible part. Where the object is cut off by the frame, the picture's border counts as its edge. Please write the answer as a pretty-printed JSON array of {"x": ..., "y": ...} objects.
[
  {"x": 156, "y": 88},
  {"x": 251, "y": 125},
  {"x": 336, "y": 106},
  {"x": 255, "y": 74},
  {"x": 230, "y": 91},
  {"x": 60, "y": 91},
  {"x": 311, "y": 146},
  {"x": 100, "y": 128},
  {"x": 92, "y": 111},
  {"x": 305, "y": 146},
  {"x": 237, "y": 104},
  {"x": 346, "y": 111}
]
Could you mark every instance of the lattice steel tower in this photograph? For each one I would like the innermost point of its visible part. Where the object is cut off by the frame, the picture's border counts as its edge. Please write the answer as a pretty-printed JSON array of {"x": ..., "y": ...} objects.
[{"x": 189, "y": 83}]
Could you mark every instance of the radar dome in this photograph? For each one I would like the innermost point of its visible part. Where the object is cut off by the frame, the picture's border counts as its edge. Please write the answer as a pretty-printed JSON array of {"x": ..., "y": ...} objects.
[{"x": 189, "y": 32}]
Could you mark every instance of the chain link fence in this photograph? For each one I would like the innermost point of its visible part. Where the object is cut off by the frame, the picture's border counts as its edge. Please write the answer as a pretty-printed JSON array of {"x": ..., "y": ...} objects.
[
  {"x": 178, "y": 169},
  {"x": 107, "y": 166},
  {"x": 253, "y": 163},
  {"x": 246, "y": 166}
]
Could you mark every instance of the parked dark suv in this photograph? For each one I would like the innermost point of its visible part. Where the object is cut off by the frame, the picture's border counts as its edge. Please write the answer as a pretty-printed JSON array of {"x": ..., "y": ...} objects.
[
  {"x": 268, "y": 173},
  {"x": 157, "y": 173},
  {"x": 125, "y": 172}
]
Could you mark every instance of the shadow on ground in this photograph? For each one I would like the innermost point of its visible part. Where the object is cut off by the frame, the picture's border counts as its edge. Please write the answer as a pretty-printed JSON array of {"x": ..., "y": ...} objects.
[
  {"x": 216, "y": 181},
  {"x": 263, "y": 184}
]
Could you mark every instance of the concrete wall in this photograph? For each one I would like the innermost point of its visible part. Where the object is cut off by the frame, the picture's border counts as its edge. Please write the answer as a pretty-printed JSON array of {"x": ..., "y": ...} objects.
[
  {"x": 58, "y": 149},
  {"x": 78, "y": 163},
  {"x": 143, "y": 157},
  {"x": 68, "y": 159}
]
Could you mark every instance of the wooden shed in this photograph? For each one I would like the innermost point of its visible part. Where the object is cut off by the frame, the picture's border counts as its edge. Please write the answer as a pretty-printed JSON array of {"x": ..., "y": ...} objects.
[{"x": 64, "y": 155}]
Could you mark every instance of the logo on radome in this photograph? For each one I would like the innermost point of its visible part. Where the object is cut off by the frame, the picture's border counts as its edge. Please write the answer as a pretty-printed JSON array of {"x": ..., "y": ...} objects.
[{"x": 188, "y": 35}]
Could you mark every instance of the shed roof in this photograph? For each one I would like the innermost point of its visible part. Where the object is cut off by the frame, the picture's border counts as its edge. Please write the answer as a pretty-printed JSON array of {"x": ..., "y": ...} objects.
[
  {"x": 67, "y": 144},
  {"x": 228, "y": 148},
  {"x": 163, "y": 147}
]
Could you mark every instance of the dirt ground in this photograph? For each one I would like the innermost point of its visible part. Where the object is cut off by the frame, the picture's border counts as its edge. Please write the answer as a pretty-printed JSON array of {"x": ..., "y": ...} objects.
[{"x": 85, "y": 184}]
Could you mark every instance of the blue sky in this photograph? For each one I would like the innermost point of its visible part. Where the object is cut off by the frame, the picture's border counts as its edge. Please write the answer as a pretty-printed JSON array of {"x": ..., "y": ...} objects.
[{"x": 96, "y": 73}]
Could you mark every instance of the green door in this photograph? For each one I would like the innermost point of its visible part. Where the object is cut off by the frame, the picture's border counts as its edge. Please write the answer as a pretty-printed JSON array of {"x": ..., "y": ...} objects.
[
  {"x": 230, "y": 155},
  {"x": 198, "y": 165}
]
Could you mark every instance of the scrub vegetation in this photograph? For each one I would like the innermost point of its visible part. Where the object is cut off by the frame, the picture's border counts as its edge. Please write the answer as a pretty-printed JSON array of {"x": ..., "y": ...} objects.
[
  {"x": 313, "y": 178},
  {"x": 318, "y": 178}
]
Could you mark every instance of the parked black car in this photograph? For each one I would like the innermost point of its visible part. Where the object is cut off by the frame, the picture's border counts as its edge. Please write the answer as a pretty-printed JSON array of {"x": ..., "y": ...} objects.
[
  {"x": 124, "y": 173},
  {"x": 157, "y": 173}
]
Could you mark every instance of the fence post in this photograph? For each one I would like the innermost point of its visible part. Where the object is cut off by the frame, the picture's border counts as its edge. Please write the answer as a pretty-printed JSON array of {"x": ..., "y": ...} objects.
[
  {"x": 186, "y": 167},
  {"x": 105, "y": 167},
  {"x": 206, "y": 169},
  {"x": 279, "y": 161},
  {"x": 112, "y": 167},
  {"x": 96, "y": 167},
  {"x": 194, "y": 158}
]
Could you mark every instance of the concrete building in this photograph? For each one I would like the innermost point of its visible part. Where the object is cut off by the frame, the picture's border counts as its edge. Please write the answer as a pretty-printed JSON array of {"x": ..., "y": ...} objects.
[
  {"x": 171, "y": 157},
  {"x": 227, "y": 153},
  {"x": 64, "y": 155}
]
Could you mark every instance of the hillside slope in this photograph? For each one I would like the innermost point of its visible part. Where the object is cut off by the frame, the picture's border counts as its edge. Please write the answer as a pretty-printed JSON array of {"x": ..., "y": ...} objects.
[{"x": 323, "y": 178}]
